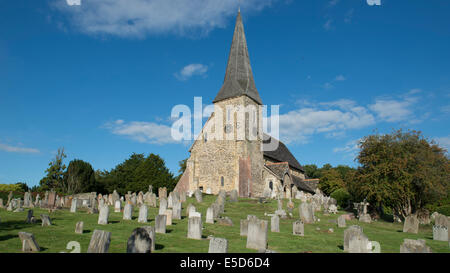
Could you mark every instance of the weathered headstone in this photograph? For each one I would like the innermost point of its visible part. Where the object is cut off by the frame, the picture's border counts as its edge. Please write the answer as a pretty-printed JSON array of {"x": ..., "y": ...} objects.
[
  {"x": 103, "y": 215},
  {"x": 143, "y": 214},
  {"x": 100, "y": 241},
  {"x": 160, "y": 223},
  {"x": 170, "y": 200},
  {"x": 298, "y": 228},
  {"x": 341, "y": 221},
  {"x": 218, "y": 245},
  {"x": 30, "y": 217},
  {"x": 210, "y": 215},
  {"x": 306, "y": 213},
  {"x": 139, "y": 241},
  {"x": 162, "y": 205},
  {"x": 162, "y": 193},
  {"x": 168, "y": 214},
  {"x": 198, "y": 196},
  {"x": 117, "y": 206},
  {"x": 350, "y": 232},
  {"x": 73, "y": 207},
  {"x": 79, "y": 227},
  {"x": 233, "y": 196},
  {"x": 195, "y": 228},
  {"x": 359, "y": 243},
  {"x": 244, "y": 225},
  {"x": 151, "y": 232},
  {"x": 29, "y": 244},
  {"x": 127, "y": 211},
  {"x": 411, "y": 224},
  {"x": 414, "y": 246},
  {"x": 257, "y": 234},
  {"x": 45, "y": 220},
  {"x": 440, "y": 233},
  {"x": 176, "y": 210},
  {"x": 225, "y": 221},
  {"x": 190, "y": 208},
  {"x": 275, "y": 223}
]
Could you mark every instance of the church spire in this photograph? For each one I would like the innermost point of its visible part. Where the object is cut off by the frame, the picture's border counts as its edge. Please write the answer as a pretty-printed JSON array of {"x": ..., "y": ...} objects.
[{"x": 238, "y": 77}]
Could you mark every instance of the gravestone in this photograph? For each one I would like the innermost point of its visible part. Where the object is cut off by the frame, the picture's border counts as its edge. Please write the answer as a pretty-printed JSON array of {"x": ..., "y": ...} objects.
[
  {"x": 195, "y": 228},
  {"x": 151, "y": 232},
  {"x": 160, "y": 223},
  {"x": 168, "y": 214},
  {"x": 170, "y": 200},
  {"x": 117, "y": 206},
  {"x": 190, "y": 208},
  {"x": 244, "y": 225},
  {"x": 218, "y": 245},
  {"x": 100, "y": 241},
  {"x": 350, "y": 232},
  {"x": 341, "y": 221},
  {"x": 176, "y": 210},
  {"x": 162, "y": 205},
  {"x": 51, "y": 199},
  {"x": 133, "y": 199},
  {"x": 257, "y": 234},
  {"x": 275, "y": 223},
  {"x": 423, "y": 215},
  {"x": 198, "y": 196},
  {"x": 359, "y": 243},
  {"x": 210, "y": 215},
  {"x": 139, "y": 241},
  {"x": 162, "y": 193},
  {"x": 29, "y": 244},
  {"x": 306, "y": 213},
  {"x": 411, "y": 224},
  {"x": 143, "y": 214},
  {"x": 140, "y": 198},
  {"x": 414, "y": 246},
  {"x": 30, "y": 217},
  {"x": 152, "y": 200},
  {"x": 233, "y": 196},
  {"x": 298, "y": 228},
  {"x": 79, "y": 227},
  {"x": 103, "y": 215},
  {"x": 73, "y": 207},
  {"x": 440, "y": 233},
  {"x": 45, "y": 220},
  {"x": 225, "y": 221},
  {"x": 127, "y": 211}
]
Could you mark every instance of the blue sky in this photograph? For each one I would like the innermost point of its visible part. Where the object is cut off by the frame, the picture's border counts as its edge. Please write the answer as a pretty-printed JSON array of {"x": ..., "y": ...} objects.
[{"x": 100, "y": 78}]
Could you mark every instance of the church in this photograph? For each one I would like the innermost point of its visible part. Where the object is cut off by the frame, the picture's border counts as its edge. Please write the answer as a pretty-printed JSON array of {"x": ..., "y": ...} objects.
[{"x": 247, "y": 163}]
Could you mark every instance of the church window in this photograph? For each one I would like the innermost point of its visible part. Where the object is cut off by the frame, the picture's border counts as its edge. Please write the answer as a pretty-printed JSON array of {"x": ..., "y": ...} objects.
[
  {"x": 222, "y": 181},
  {"x": 205, "y": 138},
  {"x": 270, "y": 185}
]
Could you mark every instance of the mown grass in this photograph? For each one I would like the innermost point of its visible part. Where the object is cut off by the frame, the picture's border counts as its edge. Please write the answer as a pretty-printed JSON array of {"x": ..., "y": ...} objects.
[{"x": 55, "y": 238}]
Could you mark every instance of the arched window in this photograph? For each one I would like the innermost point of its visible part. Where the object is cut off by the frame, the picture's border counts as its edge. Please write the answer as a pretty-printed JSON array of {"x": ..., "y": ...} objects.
[
  {"x": 222, "y": 182},
  {"x": 270, "y": 185}
]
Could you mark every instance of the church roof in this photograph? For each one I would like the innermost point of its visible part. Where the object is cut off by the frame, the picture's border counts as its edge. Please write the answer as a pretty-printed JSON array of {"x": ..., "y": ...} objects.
[
  {"x": 281, "y": 154},
  {"x": 280, "y": 169},
  {"x": 238, "y": 77},
  {"x": 301, "y": 185}
]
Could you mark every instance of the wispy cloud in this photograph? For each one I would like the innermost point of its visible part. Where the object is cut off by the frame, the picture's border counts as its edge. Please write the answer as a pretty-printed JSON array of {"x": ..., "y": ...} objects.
[
  {"x": 140, "y": 18},
  {"x": 351, "y": 148},
  {"x": 394, "y": 110},
  {"x": 443, "y": 142},
  {"x": 144, "y": 132},
  {"x": 190, "y": 70},
  {"x": 18, "y": 149}
]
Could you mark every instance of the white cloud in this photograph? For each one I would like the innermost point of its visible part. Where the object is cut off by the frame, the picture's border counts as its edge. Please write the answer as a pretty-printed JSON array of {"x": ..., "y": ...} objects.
[
  {"x": 443, "y": 142},
  {"x": 340, "y": 78},
  {"x": 191, "y": 70},
  {"x": 144, "y": 132},
  {"x": 139, "y": 18},
  {"x": 331, "y": 118},
  {"x": 327, "y": 25},
  {"x": 393, "y": 110},
  {"x": 16, "y": 149}
]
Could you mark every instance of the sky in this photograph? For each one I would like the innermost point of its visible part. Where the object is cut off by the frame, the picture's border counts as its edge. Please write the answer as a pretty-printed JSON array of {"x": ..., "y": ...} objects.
[{"x": 100, "y": 77}]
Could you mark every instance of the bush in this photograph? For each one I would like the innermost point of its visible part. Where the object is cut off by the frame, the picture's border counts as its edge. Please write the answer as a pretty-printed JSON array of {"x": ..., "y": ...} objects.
[
  {"x": 10, "y": 187},
  {"x": 445, "y": 210},
  {"x": 342, "y": 197}
]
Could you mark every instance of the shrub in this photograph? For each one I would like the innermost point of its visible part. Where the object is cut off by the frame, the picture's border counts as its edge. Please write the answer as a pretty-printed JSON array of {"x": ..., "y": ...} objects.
[
  {"x": 445, "y": 210},
  {"x": 342, "y": 197}
]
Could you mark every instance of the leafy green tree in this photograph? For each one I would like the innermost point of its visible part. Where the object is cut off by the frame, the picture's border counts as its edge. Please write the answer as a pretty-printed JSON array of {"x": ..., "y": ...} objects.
[
  {"x": 23, "y": 186},
  {"x": 401, "y": 170},
  {"x": 55, "y": 172},
  {"x": 330, "y": 181},
  {"x": 79, "y": 177},
  {"x": 312, "y": 171}
]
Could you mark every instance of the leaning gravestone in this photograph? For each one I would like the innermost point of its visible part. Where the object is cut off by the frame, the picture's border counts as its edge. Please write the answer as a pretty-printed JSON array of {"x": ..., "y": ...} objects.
[
  {"x": 117, "y": 206},
  {"x": 350, "y": 232},
  {"x": 29, "y": 244},
  {"x": 218, "y": 245},
  {"x": 30, "y": 217},
  {"x": 341, "y": 221},
  {"x": 306, "y": 213},
  {"x": 414, "y": 246},
  {"x": 127, "y": 211},
  {"x": 79, "y": 227},
  {"x": 151, "y": 232},
  {"x": 198, "y": 196},
  {"x": 160, "y": 223},
  {"x": 298, "y": 228},
  {"x": 257, "y": 234},
  {"x": 103, "y": 215},
  {"x": 195, "y": 228},
  {"x": 411, "y": 224},
  {"x": 100, "y": 241},
  {"x": 275, "y": 223},
  {"x": 139, "y": 242},
  {"x": 45, "y": 220},
  {"x": 143, "y": 214}
]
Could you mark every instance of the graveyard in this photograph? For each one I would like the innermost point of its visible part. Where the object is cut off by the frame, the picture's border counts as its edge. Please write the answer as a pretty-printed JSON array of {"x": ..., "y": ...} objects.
[{"x": 322, "y": 235}]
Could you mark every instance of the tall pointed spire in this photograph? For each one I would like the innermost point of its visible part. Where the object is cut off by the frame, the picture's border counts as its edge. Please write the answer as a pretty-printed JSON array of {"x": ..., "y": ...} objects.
[{"x": 238, "y": 77}]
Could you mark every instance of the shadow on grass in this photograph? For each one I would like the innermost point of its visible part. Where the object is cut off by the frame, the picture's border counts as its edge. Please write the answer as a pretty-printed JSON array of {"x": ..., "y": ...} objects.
[
  {"x": 12, "y": 225},
  {"x": 158, "y": 246},
  {"x": 7, "y": 237},
  {"x": 341, "y": 247}
]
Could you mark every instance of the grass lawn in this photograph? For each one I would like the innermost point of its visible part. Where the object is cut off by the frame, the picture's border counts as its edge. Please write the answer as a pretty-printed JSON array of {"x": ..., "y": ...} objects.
[{"x": 55, "y": 238}]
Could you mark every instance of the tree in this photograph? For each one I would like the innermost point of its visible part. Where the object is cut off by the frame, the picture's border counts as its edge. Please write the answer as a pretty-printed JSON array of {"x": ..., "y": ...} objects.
[
  {"x": 312, "y": 171},
  {"x": 23, "y": 186},
  {"x": 79, "y": 177},
  {"x": 330, "y": 181},
  {"x": 401, "y": 170},
  {"x": 55, "y": 172}
]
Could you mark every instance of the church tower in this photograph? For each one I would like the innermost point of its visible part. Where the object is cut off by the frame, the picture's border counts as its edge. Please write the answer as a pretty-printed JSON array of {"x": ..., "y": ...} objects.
[{"x": 228, "y": 154}]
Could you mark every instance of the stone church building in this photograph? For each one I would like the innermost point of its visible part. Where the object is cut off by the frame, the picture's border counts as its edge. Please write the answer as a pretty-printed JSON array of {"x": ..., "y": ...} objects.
[{"x": 241, "y": 163}]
